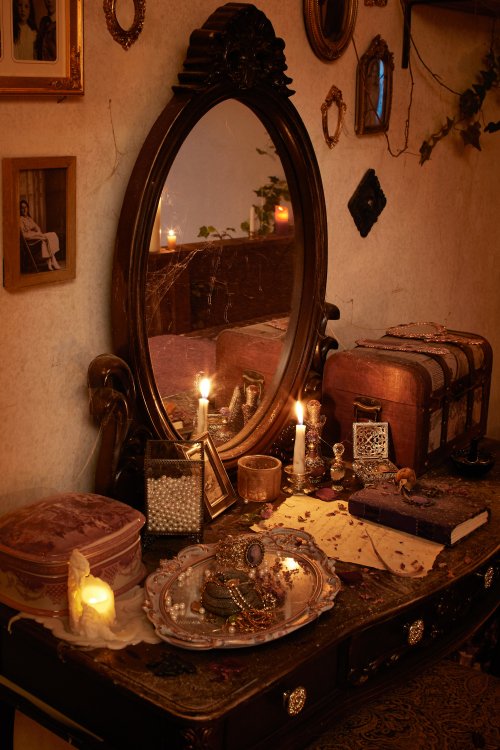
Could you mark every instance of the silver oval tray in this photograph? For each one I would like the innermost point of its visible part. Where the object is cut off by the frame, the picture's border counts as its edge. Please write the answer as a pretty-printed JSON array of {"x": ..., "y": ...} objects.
[{"x": 306, "y": 573}]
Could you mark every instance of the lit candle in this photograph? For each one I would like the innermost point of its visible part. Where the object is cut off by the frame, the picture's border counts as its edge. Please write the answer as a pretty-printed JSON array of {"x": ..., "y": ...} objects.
[
  {"x": 98, "y": 596},
  {"x": 299, "y": 448},
  {"x": 281, "y": 214},
  {"x": 202, "y": 423},
  {"x": 171, "y": 239},
  {"x": 91, "y": 601},
  {"x": 155, "y": 244},
  {"x": 251, "y": 223}
]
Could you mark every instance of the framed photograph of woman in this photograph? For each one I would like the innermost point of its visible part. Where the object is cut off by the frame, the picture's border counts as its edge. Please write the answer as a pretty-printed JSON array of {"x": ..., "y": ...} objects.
[
  {"x": 39, "y": 211},
  {"x": 41, "y": 47}
]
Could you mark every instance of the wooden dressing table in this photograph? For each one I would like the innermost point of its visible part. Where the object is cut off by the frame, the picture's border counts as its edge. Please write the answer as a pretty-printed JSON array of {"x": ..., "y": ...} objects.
[{"x": 159, "y": 696}]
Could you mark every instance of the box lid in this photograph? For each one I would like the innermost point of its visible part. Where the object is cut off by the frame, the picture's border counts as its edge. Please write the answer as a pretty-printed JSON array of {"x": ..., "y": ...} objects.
[
  {"x": 47, "y": 531},
  {"x": 370, "y": 440}
]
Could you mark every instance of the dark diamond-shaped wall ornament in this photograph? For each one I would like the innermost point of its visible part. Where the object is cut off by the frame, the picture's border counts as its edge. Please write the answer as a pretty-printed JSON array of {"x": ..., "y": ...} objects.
[{"x": 367, "y": 202}]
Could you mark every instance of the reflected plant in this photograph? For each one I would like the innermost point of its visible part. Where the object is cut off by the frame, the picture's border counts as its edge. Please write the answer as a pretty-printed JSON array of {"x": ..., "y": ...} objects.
[{"x": 211, "y": 231}]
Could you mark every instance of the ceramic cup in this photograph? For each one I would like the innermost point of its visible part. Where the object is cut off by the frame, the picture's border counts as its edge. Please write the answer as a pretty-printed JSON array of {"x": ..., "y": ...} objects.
[{"x": 259, "y": 478}]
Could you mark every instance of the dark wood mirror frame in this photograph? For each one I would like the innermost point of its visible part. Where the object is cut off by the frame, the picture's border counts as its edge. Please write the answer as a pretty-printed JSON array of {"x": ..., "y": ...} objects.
[
  {"x": 330, "y": 44},
  {"x": 235, "y": 55}
]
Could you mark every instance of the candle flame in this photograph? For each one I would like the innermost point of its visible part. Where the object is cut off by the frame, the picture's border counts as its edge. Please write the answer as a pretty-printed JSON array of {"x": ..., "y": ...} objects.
[
  {"x": 171, "y": 233},
  {"x": 205, "y": 387},
  {"x": 299, "y": 410}
]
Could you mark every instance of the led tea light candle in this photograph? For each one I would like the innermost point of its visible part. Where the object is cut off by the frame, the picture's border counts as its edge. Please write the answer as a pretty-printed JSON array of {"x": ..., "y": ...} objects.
[
  {"x": 299, "y": 448},
  {"x": 202, "y": 422},
  {"x": 91, "y": 600},
  {"x": 171, "y": 239},
  {"x": 98, "y": 595}
]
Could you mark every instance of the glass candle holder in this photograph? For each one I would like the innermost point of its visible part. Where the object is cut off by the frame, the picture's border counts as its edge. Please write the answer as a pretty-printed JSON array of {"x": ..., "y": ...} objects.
[{"x": 259, "y": 478}]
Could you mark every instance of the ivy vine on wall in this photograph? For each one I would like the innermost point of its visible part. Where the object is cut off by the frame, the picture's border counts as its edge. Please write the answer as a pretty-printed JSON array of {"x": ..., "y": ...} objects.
[{"x": 469, "y": 121}]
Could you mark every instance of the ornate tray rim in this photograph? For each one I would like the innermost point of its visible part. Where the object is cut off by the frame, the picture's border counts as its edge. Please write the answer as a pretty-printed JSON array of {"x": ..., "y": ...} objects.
[{"x": 296, "y": 544}]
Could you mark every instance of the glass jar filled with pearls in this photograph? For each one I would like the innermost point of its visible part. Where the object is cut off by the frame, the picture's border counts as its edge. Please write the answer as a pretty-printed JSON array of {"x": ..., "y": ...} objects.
[{"x": 174, "y": 476}]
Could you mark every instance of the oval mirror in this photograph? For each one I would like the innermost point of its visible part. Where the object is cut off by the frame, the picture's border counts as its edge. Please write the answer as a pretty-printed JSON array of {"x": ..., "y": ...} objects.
[
  {"x": 221, "y": 272},
  {"x": 330, "y": 26},
  {"x": 220, "y": 258}
]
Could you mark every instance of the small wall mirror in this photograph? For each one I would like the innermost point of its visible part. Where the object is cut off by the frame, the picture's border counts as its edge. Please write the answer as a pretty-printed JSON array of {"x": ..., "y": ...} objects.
[
  {"x": 374, "y": 89},
  {"x": 330, "y": 26}
]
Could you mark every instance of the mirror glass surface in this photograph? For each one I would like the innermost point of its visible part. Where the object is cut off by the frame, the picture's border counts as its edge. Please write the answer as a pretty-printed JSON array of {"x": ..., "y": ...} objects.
[{"x": 221, "y": 273}]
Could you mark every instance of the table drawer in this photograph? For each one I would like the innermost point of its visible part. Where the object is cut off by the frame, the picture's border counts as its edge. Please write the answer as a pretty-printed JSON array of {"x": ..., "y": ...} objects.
[
  {"x": 448, "y": 616},
  {"x": 285, "y": 704}
]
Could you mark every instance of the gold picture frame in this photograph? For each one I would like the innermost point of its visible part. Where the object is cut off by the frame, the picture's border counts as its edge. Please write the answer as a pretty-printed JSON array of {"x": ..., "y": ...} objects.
[
  {"x": 42, "y": 54},
  {"x": 218, "y": 494},
  {"x": 39, "y": 220}
]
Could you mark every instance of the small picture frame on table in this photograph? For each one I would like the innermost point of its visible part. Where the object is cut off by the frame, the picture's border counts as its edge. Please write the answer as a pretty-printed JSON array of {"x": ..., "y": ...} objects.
[
  {"x": 39, "y": 220},
  {"x": 41, "y": 49},
  {"x": 219, "y": 494}
]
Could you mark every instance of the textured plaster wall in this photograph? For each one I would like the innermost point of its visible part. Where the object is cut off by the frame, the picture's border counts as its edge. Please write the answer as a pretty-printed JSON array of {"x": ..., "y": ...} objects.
[{"x": 431, "y": 256}]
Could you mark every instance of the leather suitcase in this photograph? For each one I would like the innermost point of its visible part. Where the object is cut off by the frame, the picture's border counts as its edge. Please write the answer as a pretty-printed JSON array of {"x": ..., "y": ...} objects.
[{"x": 432, "y": 389}]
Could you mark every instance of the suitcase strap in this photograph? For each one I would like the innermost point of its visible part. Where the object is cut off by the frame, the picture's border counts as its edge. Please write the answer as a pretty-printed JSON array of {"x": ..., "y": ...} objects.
[{"x": 407, "y": 346}]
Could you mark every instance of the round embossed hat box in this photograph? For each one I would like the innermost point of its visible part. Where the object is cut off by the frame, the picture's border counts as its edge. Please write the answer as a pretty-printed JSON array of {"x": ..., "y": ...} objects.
[{"x": 36, "y": 542}]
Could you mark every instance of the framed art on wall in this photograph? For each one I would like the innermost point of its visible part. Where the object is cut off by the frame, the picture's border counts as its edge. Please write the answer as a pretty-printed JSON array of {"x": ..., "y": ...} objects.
[
  {"x": 39, "y": 232},
  {"x": 41, "y": 47}
]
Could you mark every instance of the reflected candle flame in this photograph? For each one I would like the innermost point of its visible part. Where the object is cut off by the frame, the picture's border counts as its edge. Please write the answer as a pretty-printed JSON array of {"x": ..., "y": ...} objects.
[{"x": 205, "y": 387}]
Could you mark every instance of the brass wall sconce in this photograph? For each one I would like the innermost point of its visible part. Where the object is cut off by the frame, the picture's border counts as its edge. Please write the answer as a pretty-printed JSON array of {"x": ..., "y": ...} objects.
[
  {"x": 374, "y": 89},
  {"x": 334, "y": 96},
  {"x": 125, "y": 37}
]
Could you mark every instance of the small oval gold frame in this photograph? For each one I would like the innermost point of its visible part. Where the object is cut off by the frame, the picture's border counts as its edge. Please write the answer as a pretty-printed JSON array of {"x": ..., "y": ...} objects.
[
  {"x": 334, "y": 96},
  {"x": 125, "y": 37}
]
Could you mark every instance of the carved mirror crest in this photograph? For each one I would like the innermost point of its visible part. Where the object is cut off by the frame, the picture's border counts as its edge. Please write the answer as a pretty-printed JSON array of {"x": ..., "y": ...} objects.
[
  {"x": 329, "y": 26},
  {"x": 374, "y": 89},
  {"x": 220, "y": 259}
]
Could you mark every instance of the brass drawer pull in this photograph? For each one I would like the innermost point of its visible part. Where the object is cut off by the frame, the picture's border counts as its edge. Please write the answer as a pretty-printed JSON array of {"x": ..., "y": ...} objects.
[
  {"x": 294, "y": 700},
  {"x": 489, "y": 576},
  {"x": 415, "y": 632}
]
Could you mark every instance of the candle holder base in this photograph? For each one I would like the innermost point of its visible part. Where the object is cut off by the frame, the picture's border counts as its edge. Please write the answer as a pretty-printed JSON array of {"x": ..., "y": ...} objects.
[{"x": 298, "y": 484}]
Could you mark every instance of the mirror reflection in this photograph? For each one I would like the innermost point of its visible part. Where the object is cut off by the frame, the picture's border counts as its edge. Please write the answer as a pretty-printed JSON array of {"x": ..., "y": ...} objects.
[{"x": 220, "y": 277}]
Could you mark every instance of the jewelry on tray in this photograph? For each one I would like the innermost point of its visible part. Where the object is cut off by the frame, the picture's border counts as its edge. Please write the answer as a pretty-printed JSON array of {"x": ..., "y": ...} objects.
[{"x": 239, "y": 552}]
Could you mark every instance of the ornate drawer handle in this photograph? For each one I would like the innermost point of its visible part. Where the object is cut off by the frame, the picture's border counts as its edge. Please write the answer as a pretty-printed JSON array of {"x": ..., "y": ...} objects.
[
  {"x": 489, "y": 577},
  {"x": 294, "y": 700},
  {"x": 415, "y": 632}
]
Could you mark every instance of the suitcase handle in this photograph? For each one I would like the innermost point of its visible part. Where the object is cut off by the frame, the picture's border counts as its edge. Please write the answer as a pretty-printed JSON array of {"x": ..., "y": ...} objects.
[{"x": 366, "y": 410}]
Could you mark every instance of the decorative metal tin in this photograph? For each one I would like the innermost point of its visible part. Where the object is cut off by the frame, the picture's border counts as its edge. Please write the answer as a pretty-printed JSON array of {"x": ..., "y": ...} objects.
[
  {"x": 36, "y": 542},
  {"x": 370, "y": 452}
]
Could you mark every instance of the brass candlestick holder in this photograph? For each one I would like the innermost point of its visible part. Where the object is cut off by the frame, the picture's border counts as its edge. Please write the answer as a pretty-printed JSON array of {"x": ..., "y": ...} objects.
[
  {"x": 298, "y": 484},
  {"x": 315, "y": 463}
]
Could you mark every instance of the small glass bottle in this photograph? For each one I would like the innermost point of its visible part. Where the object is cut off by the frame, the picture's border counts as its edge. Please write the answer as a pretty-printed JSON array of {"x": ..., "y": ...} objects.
[{"x": 337, "y": 468}]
